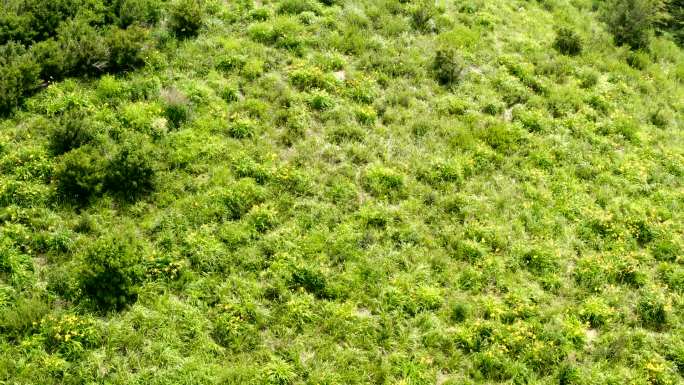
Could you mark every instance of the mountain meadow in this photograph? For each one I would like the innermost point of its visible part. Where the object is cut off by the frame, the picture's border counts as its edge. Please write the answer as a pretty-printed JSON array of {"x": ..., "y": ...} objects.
[{"x": 328, "y": 192}]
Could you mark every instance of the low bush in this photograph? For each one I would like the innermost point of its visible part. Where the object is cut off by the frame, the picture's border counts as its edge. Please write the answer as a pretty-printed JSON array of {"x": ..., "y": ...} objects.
[
  {"x": 321, "y": 100},
  {"x": 383, "y": 182},
  {"x": 72, "y": 131},
  {"x": 310, "y": 280},
  {"x": 176, "y": 107},
  {"x": 111, "y": 271},
  {"x": 126, "y": 48},
  {"x": 241, "y": 197},
  {"x": 638, "y": 60},
  {"x": 423, "y": 15},
  {"x": 632, "y": 21},
  {"x": 18, "y": 76},
  {"x": 567, "y": 42},
  {"x": 83, "y": 49},
  {"x": 79, "y": 175},
  {"x": 141, "y": 12},
  {"x": 262, "y": 218},
  {"x": 130, "y": 172},
  {"x": 298, "y": 6},
  {"x": 448, "y": 66},
  {"x": 186, "y": 17},
  {"x": 242, "y": 127},
  {"x": 652, "y": 310}
]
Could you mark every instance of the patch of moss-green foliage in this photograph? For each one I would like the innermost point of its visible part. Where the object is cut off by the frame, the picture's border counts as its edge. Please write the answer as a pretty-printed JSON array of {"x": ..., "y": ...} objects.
[{"x": 341, "y": 192}]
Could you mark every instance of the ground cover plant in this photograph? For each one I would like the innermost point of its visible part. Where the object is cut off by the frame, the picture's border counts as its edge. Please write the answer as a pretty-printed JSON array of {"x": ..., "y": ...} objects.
[{"x": 341, "y": 192}]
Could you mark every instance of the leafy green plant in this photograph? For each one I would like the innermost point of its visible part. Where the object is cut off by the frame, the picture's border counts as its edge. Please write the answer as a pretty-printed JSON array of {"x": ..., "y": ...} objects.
[
  {"x": 652, "y": 309},
  {"x": 632, "y": 21},
  {"x": 241, "y": 128},
  {"x": 383, "y": 182},
  {"x": 141, "y": 12},
  {"x": 241, "y": 197},
  {"x": 186, "y": 17},
  {"x": 111, "y": 271},
  {"x": 131, "y": 171},
  {"x": 79, "y": 174},
  {"x": 18, "y": 76},
  {"x": 567, "y": 42},
  {"x": 176, "y": 107},
  {"x": 72, "y": 131},
  {"x": 126, "y": 48},
  {"x": 448, "y": 65}
]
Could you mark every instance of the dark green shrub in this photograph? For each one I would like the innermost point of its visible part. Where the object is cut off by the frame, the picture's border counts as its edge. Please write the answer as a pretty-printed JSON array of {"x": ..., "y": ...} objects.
[
  {"x": 321, "y": 101},
  {"x": 18, "y": 76},
  {"x": 567, "y": 42},
  {"x": 674, "y": 23},
  {"x": 71, "y": 132},
  {"x": 186, "y": 17},
  {"x": 448, "y": 66},
  {"x": 131, "y": 171},
  {"x": 460, "y": 312},
  {"x": 15, "y": 27},
  {"x": 539, "y": 261},
  {"x": 84, "y": 49},
  {"x": 50, "y": 57},
  {"x": 79, "y": 175},
  {"x": 126, "y": 48},
  {"x": 662, "y": 117},
  {"x": 141, "y": 12},
  {"x": 309, "y": 280},
  {"x": 111, "y": 271},
  {"x": 632, "y": 21},
  {"x": 46, "y": 15}
]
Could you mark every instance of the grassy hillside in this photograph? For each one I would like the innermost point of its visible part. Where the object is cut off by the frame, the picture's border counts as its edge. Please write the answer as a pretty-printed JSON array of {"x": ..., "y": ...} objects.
[{"x": 339, "y": 192}]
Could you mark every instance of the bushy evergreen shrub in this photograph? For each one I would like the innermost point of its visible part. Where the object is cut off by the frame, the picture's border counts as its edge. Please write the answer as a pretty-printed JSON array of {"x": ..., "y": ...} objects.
[
  {"x": 141, "y": 12},
  {"x": 448, "y": 66},
  {"x": 186, "y": 17},
  {"x": 131, "y": 171},
  {"x": 15, "y": 27},
  {"x": 567, "y": 42},
  {"x": 79, "y": 175},
  {"x": 18, "y": 76},
  {"x": 242, "y": 127},
  {"x": 72, "y": 131},
  {"x": 84, "y": 50},
  {"x": 632, "y": 21},
  {"x": 126, "y": 48},
  {"x": 674, "y": 22},
  {"x": 111, "y": 271}
]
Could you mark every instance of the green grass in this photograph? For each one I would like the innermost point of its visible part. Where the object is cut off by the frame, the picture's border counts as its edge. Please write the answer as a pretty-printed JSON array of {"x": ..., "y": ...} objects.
[{"x": 351, "y": 192}]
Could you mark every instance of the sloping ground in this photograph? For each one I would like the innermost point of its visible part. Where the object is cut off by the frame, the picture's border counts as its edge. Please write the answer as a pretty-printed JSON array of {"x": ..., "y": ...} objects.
[{"x": 312, "y": 206}]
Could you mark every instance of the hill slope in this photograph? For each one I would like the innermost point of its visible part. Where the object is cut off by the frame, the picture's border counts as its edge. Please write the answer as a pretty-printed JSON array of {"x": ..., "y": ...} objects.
[{"x": 347, "y": 192}]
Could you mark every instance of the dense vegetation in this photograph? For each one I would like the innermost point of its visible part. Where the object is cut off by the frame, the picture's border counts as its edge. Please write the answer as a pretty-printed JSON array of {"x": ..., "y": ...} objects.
[{"x": 341, "y": 192}]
